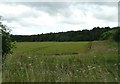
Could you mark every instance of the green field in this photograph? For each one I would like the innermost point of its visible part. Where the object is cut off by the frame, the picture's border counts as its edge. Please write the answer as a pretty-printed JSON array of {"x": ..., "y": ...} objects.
[{"x": 95, "y": 61}]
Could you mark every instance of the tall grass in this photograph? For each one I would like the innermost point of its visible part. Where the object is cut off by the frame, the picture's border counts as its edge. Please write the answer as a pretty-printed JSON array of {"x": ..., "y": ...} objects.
[{"x": 62, "y": 62}]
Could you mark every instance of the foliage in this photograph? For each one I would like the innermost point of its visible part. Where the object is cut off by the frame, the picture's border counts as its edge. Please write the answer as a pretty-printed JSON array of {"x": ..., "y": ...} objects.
[
  {"x": 62, "y": 62},
  {"x": 111, "y": 35},
  {"x": 116, "y": 35},
  {"x": 107, "y": 35},
  {"x": 7, "y": 43},
  {"x": 84, "y": 35}
]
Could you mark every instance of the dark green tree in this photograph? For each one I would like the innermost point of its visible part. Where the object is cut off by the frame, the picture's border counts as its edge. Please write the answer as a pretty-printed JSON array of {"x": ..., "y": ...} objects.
[
  {"x": 116, "y": 35},
  {"x": 7, "y": 43},
  {"x": 113, "y": 34}
]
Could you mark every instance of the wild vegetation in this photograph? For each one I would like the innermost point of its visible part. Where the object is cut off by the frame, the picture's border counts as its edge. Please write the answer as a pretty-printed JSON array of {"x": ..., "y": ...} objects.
[{"x": 95, "y": 61}]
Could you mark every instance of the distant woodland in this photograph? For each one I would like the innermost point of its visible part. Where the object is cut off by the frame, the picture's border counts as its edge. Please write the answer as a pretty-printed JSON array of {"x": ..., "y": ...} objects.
[{"x": 96, "y": 33}]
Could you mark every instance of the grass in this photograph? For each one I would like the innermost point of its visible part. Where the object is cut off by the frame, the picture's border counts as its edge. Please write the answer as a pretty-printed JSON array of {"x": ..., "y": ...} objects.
[{"x": 95, "y": 61}]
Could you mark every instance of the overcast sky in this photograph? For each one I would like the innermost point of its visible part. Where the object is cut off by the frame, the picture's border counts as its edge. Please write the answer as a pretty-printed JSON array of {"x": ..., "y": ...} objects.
[{"x": 43, "y": 17}]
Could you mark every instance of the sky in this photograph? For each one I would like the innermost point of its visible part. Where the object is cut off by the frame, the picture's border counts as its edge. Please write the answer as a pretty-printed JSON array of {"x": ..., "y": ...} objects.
[{"x": 28, "y": 18}]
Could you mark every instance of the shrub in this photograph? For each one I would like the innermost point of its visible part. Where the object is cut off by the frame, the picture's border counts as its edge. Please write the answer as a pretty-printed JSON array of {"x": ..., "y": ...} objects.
[
  {"x": 111, "y": 35},
  {"x": 7, "y": 43},
  {"x": 116, "y": 36}
]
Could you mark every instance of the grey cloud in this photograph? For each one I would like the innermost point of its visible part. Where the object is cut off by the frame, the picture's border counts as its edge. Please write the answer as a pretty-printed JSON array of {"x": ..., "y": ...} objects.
[
  {"x": 104, "y": 17},
  {"x": 111, "y": 4},
  {"x": 71, "y": 22},
  {"x": 62, "y": 8},
  {"x": 51, "y": 7},
  {"x": 98, "y": 10},
  {"x": 109, "y": 15},
  {"x": 10, "y": 18},
  {"x": 17, "y": 18}
]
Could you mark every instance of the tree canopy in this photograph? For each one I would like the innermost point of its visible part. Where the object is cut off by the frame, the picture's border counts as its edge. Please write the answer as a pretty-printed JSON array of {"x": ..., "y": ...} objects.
[{"x": 82, "y": 35}]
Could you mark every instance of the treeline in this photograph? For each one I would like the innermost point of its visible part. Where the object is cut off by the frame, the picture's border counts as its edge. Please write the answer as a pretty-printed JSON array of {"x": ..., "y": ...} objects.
[{"x": 96, "y": 33}]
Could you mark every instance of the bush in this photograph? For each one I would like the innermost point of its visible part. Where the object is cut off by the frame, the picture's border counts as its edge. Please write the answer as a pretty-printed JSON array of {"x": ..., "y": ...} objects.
[
  {"x": 111, "y": 35},
  {"x": 7, "y": 43},
  {"x": 106, "y": 35},
  {"x": 116, "y": 36}
]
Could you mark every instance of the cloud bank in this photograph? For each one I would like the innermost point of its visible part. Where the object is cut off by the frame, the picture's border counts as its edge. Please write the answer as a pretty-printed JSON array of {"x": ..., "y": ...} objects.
[{"x": 25, "y": 18}]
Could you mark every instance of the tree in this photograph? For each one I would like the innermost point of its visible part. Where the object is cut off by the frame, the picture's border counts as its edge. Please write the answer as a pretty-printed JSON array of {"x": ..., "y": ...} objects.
[
  {"x": 116, "y": 35},
  {"x": 113, "y": 34},
  {"x": 7, "y": 43}
]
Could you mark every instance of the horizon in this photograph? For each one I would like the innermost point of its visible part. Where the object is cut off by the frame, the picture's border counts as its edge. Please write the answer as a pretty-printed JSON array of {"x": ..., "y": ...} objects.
[
  {"x": 65, "y": 31},
  {"x": 30, "y": 18}
]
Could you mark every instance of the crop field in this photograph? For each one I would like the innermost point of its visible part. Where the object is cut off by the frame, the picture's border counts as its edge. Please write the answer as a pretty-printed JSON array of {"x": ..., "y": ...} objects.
[{"x": 95, "y": 61}]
